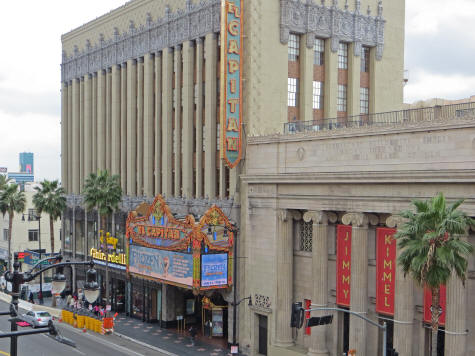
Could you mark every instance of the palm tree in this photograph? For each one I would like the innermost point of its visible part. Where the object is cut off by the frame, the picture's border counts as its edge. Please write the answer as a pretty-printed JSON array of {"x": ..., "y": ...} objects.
[
  {"x": 432, "y": 248},
  {"x": 103, "y": 192},
  {"x": 49, "y": 198},
  {"x": 11, "y": 201},
  {"x": 4, "y": 181}
]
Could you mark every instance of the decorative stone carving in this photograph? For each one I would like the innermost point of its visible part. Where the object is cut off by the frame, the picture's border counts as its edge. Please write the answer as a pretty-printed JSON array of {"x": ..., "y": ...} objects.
[
  {"x": 193, "y": 22},
  {"x": 322, "y": 21},
  {"x": 285, "y": 214},
  {"x": 395, "y": 221},
  {"x": 355, "y": 219},
  {"x": 262, "y": 301},
  {"x": 320, "y": 217}
]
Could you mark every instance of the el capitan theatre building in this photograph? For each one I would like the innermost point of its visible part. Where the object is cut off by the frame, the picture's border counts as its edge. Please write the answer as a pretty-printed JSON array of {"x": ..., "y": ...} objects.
[{"x": 187, "y": 265}]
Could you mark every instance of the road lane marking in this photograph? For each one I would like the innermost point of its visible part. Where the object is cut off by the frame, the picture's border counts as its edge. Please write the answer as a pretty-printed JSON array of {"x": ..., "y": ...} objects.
[{"x": 4, "y": 353}]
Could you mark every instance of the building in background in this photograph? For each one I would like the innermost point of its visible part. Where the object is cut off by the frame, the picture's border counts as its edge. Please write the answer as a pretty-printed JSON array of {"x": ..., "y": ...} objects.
[
  {"x": 167, "y": 93},
  {"x": 26, "y": 162},
  {"x": 26, "y": 173}
]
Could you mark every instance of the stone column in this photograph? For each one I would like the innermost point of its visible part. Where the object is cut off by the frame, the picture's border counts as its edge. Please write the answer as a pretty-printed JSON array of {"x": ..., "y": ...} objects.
[
  {"x": 81, "y": 134},
  {"x": 101, "y": 120},
  {"x": 188, "y": 110},
  {"x": 70, "y": 137},
  {"x": 140, "y": 131},
  {"x": 131, "y": 127},
  {"x": 64, "y": 136},
  {"x": 210, "y": 115},
  {"x": 319, "y": 275},
  {"x": 108, "y": 141},
  {"x": 177, "y": 131},
  {"x": 456, "y": 316},
  {"x": 403, "y": 302},
  {"x": 87, "y": 125},
  {"x": 149, "y": 147},
  {"x": 167, "y": 115},
  {"x": 199, "y": 118},
  {"x": 359, "y": 278},
  {"x": 158, "y": 124},
  {"x": 354, "y": 74},
  {"x": 115, "y": 121},
  {"x": 123, "y": 127},
  {"x": 306, "y": 77},
  {"x": 94, "y": 122},
  {"x": 75, "y": 137},
  {"x": 331, "y": 81},
  {"x": 284, "y": 276}
]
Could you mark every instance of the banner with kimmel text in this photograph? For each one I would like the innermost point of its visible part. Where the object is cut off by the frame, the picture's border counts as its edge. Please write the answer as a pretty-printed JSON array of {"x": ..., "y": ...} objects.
[
  {"x": 343, "y": 264},
  {"x": 385, "y": 270}
]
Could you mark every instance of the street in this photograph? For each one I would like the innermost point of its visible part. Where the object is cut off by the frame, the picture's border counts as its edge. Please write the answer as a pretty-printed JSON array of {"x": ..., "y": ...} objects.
[{"x": 86, "y": 343}]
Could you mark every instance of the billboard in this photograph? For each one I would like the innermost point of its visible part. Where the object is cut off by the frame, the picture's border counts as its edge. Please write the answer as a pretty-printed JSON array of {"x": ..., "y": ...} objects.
[
  {"x": 169, "y": 266},
  {"x": 214, "y": 270}
]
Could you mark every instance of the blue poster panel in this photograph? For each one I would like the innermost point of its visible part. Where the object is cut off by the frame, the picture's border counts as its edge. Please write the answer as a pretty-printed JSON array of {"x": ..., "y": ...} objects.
[
  {"x": 214, "y": 270},
  {"x": 170, "y": 266}
]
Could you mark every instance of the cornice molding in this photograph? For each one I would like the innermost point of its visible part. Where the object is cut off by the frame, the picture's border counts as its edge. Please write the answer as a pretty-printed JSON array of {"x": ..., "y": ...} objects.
[
  {"x": 191, "y": 23},
  {"x": 341, "y": 25}
]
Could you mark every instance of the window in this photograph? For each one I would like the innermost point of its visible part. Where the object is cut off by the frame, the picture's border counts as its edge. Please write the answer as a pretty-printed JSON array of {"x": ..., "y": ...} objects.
[
  {"x": 364, "y": 100},
  {"x": 293, "y": 85},
  {"x": 317, "y": 95},
  {"x": 294, "y": 47},
  {"x": 341, "y": 98},
  {"x": 32, "y": 214},
  {"x": 319, "y": 52},
  {"x": 305, "y": 236},
  {"x": 5, "y": 234},
  {"x": 365, "y": 59},
  {"x": 343, "y": 56},
  {"x": 32, "y": 235}
]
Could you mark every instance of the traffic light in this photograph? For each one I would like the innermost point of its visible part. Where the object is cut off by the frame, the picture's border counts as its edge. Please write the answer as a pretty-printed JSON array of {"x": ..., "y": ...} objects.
[
  {"x": 297, "y": 316},
  {"x": 319, "y": 320}
]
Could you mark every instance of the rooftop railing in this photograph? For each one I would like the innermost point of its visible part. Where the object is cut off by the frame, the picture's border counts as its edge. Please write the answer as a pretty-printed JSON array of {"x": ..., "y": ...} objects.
[{"x": 410, "y": 116}]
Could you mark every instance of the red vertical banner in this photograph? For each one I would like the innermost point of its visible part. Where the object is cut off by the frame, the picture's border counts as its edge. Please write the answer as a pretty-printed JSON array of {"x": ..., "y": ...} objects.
[
  {"x": 343, "y": 264},
  {"x": 428, "y": 303},
  {"x": 308, "y": 305},
  {"x": 385, "y": 270}
]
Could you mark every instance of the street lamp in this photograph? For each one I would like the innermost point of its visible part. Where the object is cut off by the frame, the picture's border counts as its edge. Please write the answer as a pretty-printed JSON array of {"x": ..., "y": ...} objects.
[
  {"x": 33, "y": 217},
  {"x": 16, "y": 278}
]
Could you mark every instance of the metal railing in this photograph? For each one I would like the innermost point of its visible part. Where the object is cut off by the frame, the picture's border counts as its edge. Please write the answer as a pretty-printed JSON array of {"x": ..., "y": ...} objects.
[{"x": 409, "y": 116}]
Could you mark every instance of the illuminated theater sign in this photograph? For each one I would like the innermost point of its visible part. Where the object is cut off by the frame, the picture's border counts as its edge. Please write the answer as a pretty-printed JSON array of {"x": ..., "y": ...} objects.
[
  {"x": 231, "y": 83},
  {"x": 182, "y": 252}
]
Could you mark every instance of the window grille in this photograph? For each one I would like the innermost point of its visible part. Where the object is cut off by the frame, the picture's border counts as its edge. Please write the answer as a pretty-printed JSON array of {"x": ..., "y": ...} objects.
[
  {"x": 343, "y": 56},
  {"x": 364, "y": 100},
  {"x": 294, "y": 47},
  {"x": 293, "y": 84},
  {"x": 319, "y": 52},
  {"x": 317, "y": 95},
  {"x": 365, "y": 59},
  {"x": 306, "y": 236},
  {"x": 341, "y": 98}
]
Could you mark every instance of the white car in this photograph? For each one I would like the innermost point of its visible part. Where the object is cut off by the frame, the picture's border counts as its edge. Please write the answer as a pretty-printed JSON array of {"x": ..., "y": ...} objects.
[{"x": 37, "y": 318}]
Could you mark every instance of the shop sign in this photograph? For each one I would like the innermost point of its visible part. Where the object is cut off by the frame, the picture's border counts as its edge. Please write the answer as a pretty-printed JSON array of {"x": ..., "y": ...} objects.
[
  {"x": 214, "y": 270},
  {"x": 31, "y": 258},
  {"x": 115, "y": 260},
  {"x": 343, "y": 260},
  {"x": 165, "y": 265},
  {"x": 385, "y": 270},
  {"x": 231, "y": 82},
  {"x": 428, "y": 303}
]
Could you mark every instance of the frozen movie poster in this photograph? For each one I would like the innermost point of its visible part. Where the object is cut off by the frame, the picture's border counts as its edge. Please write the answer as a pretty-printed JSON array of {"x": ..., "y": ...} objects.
[
  {"x": 214, "y": 270},
  {"x": 166, "y": 265}
]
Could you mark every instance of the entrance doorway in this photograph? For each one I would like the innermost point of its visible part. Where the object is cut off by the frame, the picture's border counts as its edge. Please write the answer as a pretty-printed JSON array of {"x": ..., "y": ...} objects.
[{"x": 262, "y": 334}]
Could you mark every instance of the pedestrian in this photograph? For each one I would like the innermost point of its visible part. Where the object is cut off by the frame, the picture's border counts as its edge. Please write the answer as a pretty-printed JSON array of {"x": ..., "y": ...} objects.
[
  {"x": 193, "y": 332},
  {"x": 31, "y": 298},
  {"x": 40, "y": 297}
]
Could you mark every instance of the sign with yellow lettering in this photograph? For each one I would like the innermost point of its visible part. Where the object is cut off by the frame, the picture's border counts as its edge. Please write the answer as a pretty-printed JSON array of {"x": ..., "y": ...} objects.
[
  {"x": 385, "y": 270},
  {"x": 231, "y": 81},
  {"x": 115, "y": 260},
  {"x": 343, "y": 261}
]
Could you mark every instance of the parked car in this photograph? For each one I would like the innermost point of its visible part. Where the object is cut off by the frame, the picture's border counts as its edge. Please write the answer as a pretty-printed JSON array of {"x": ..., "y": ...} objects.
[{"x": 37, "y": 318}]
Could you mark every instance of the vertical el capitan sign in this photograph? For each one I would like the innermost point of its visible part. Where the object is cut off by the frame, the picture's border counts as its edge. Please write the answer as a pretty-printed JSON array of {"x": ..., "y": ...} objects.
[
  {"x": 343, "y": 268},
  {"x": 231, "y": 81},
  {"x": 385, "y": 270}
]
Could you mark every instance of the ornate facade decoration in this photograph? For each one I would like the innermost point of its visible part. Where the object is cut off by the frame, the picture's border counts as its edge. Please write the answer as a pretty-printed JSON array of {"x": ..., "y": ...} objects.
[
  {"x": 341, "y": 25},
  {"x": 195, "y": 21},
  {"x": 262, "y": 301}
]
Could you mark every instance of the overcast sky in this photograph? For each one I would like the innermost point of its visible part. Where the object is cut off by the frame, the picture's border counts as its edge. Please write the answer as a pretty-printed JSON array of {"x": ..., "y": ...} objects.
[{"x": 440, "y": 47}]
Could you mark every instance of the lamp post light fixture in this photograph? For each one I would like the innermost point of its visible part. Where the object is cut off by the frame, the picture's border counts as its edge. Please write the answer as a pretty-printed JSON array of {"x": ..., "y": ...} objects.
[{"x": 16, "y": 278}]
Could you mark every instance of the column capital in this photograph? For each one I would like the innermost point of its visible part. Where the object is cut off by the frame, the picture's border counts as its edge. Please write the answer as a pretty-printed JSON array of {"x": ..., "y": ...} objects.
[
  {"x": 140, "y": 60},
  {"x": 285, "y": 215},
  {"x": 359, "y": 219},
  {"x": 395, "y": 221},
  {"x": 320, "y": 217},
  {"x": 199, "y": 41},
  {"x": 178, "y": 47},
  {"x": 123, "y": 65}
]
